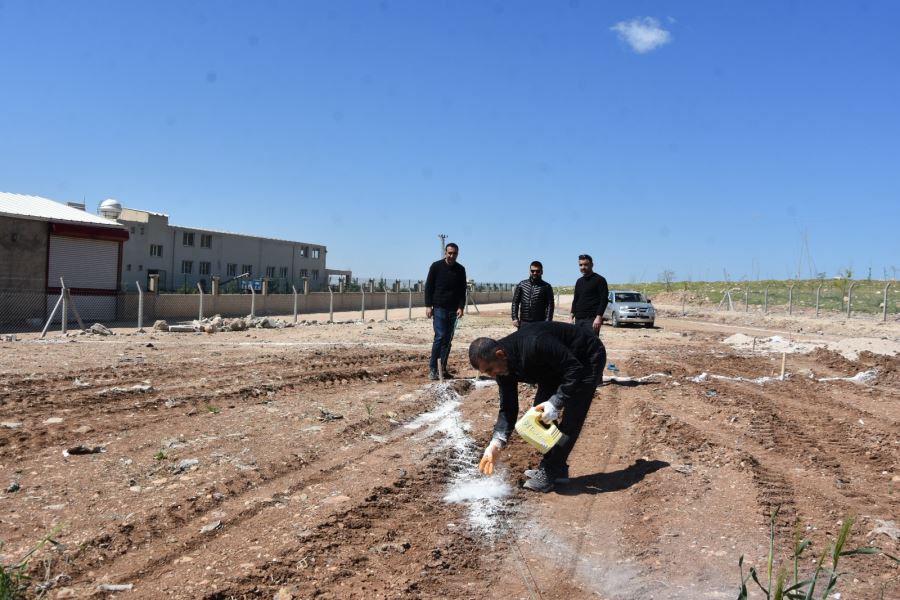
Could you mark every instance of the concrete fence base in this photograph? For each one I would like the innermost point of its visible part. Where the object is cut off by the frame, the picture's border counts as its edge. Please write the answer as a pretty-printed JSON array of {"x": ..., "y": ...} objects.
[{"x": 184, "y": 307}]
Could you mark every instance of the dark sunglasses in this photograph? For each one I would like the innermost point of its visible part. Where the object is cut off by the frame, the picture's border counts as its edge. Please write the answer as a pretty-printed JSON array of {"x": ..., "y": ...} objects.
[{"x": 535, "y": 270}]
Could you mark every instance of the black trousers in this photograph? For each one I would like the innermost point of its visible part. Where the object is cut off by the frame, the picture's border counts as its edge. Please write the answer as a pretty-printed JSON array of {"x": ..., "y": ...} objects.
[
  {"x": 587, "y": 324},
  {"x": 576, "y": 411}
]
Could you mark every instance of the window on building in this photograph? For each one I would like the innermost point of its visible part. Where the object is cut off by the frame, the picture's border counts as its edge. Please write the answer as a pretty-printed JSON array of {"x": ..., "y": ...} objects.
[
  {"x": 206, "y": 240},
  {"x": 155, "y": 249},
  {"x": 187, "y": 238},
  {"x": 231, "y": 269},
  {"x": 270, "y": 271},
  {"x": 304, "y": 251},
  {"x": 204, "y": 268},
  {"x": 315, "y": 252},
  {"x": 142, "y": 230},
  {"x": 283, "y": 272},
  {"x": 128, "y": 267},
  {"x": 304, "y": 273},
  {"x": 247, "y": 269},
  {"x": 315, "y": 274},
  {"x": 187, "y": 267},
  {"x": 132, "y": 229},
  {"x": 140, "y": 267}
]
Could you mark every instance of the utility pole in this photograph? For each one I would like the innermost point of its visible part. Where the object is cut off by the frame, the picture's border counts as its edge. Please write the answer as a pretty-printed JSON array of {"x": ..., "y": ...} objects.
[{"x": 443, "y": 238}]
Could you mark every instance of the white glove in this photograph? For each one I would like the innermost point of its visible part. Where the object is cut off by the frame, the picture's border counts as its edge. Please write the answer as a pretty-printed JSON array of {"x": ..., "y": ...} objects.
[
  {"x": 491, "y": 453},
  {"x": 549, "y": 412}
]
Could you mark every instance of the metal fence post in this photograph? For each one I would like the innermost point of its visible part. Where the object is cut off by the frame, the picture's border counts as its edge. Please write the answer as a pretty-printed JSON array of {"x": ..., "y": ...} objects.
[
  {"x": 140, "y": 306},
  {"x": 850, "y": 299},
  {"x": 884, "y": 315},
  {"x": 766, "y": 302},
  {"x": 65, "y": 307},
  {"x": 410, "y": 304},
  {"x": 200, "y": 289},
  {"x": 362, "y": 309},
  {"x": 294, "y": 287},
  {"x": 747, "y": 299},
  {"x": 385, "y": 304},
  {"x": 818, "y": 289},
  {"x": 252, "y": 301},
  {"x": 791, "y": 299},
  {"x": 684, "y": 300},
  {"x": 330, "y": 304}
]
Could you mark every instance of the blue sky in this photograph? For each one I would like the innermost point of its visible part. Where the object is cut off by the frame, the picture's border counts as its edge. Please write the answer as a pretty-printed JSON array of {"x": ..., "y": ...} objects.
[{"x": 756, "y": 139}]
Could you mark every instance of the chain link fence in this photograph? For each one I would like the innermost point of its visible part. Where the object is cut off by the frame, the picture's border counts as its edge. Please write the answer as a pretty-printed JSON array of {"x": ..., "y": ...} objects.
[
  {"x": 877, "y": 298},
  {"x": 24, "y": 311}
]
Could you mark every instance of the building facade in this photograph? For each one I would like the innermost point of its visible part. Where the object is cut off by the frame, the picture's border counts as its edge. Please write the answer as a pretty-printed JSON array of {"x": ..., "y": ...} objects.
[{"x": 182, "y": 257}]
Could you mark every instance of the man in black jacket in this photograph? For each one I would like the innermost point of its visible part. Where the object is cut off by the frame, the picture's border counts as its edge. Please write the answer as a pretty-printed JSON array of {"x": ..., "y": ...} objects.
[
  {"x": 566, "y": 362},
  {"x": 445, "y": 299},
  {"x": 591, "y": 296},
  {"x": 533, "y": 298}
]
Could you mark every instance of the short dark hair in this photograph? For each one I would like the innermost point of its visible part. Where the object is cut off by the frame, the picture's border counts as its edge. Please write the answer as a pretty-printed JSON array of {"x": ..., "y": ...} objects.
[
  {"x": 452, "y": 244},
  {"x": 482, "y": 348},
  {"x": 586, "y": 257},
  {"x": 537, "y": 263}
]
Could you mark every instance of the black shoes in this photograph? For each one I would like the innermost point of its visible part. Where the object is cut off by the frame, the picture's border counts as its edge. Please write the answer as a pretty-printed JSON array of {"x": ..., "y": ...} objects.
[
  {"x": 560, "y": 477},
  {"x": 539, "y": 481},
  {"x": 543, "y": 480},
  {"x": 448, "y": 374}
]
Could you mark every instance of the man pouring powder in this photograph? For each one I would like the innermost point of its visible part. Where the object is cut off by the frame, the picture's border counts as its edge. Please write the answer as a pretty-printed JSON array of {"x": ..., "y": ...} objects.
[{"x": 566, "y": 362}]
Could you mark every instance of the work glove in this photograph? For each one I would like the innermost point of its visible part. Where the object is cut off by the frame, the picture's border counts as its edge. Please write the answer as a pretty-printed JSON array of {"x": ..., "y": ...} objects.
[
  {"x": 549, "y": 412},
  {"x": 491, "y": 453}
]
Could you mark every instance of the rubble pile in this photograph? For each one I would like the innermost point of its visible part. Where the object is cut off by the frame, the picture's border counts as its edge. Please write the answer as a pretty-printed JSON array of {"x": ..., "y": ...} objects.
[{"x": 217, "y": 323}]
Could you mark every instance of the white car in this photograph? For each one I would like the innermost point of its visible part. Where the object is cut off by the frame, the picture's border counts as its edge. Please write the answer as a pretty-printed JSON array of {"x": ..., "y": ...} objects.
[{"x": 627, "y": 306}]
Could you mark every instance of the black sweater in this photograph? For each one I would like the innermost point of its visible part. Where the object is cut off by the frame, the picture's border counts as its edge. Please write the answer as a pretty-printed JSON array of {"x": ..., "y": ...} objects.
[
  {"x": 445, "y": 286},
  {"x": 591, "y": 296}
]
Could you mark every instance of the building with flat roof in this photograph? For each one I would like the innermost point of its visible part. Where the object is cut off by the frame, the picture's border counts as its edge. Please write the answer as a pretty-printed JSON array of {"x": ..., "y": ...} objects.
[{"x": 183, "y": 256}]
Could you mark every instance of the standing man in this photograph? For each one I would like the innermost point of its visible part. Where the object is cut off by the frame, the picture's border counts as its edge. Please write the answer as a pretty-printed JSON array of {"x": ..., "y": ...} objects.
[
  {"x": 566, "y": 362},
  {"x": 591, "y": 296},
  {"x": 533, "y": 298},
  {"x": 445, "y": 299}
]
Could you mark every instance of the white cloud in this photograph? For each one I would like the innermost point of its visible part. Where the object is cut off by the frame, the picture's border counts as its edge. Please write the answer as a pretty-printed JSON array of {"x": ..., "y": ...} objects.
[{"x": 643, "y": 34}]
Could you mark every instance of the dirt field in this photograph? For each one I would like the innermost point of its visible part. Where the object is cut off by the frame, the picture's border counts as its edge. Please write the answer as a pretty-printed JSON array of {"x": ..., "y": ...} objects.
[{"x": 319, "y": 461}]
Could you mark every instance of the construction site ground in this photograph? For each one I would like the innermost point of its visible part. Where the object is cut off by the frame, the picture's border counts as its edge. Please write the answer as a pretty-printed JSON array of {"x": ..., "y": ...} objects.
[{"x": 320, "y": 461}]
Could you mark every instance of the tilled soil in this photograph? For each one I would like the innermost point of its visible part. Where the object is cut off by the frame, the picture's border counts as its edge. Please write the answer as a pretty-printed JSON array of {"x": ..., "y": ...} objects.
[{"x": 289, "y": 462}]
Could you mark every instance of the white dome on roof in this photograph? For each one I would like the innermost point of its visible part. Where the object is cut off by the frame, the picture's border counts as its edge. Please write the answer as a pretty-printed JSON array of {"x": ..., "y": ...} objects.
[{"x": 110, "y": 209}]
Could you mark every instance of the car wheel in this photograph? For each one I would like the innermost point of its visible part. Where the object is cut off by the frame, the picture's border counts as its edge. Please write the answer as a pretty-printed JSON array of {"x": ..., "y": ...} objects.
[
  {"x": 650, "y": 325},
  {"x": 615, "y": 320}
]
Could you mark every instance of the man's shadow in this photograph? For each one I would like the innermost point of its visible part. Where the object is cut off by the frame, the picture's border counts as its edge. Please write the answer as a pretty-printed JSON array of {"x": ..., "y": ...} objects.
[
  {"x": 627, "y": 382},
  {"x": 599, "y": 483}
]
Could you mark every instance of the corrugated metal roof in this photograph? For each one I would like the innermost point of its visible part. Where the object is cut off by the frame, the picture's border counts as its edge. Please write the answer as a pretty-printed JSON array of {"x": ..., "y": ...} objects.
[{"x": 35, "y": 208}]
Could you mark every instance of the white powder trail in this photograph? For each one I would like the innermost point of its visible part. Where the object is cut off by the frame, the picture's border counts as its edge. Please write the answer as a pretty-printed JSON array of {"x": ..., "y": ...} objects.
[{"x": 482, "y": 495}]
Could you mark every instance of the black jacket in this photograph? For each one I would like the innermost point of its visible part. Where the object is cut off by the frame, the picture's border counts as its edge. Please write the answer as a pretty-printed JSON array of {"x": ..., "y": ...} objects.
[
  {"x": 445, "y": 286},
  {"x": 560, "y": 358},
  {"x": 591, "y": 296},
  {"x": 532, "y": 301}
]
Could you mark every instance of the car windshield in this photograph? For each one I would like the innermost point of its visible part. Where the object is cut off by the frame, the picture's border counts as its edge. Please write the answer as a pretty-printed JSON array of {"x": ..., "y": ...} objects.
[{"x": 629, "y": 297}]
